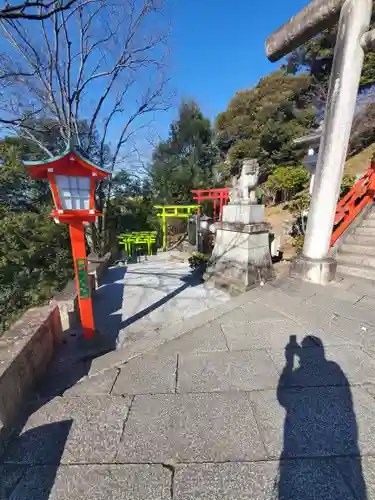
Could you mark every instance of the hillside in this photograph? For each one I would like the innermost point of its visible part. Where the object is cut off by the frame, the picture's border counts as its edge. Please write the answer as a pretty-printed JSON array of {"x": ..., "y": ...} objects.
[
  {"x": 358, "y": 163},
  {"x": 277, "y": 215}
]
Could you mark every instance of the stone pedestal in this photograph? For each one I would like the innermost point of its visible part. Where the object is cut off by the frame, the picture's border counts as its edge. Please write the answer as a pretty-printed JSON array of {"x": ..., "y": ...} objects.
[
  {"x": 320, "y": 271},
  {"x": 241, "y": 256}
]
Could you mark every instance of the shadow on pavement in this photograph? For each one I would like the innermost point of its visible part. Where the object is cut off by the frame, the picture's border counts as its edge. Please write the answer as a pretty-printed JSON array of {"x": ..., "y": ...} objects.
[
  {"x": 109, "y": 301},
  {"x": 43, "y": 445},
  {"x": 73, "y": 359},
  {"x": 320, "y": 423}
]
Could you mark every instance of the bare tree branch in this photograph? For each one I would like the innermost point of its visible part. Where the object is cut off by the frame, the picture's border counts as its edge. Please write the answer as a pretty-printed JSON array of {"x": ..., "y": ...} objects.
[
  {"x": 94, "y": 72},
  {"x": 36, "y": 10}
]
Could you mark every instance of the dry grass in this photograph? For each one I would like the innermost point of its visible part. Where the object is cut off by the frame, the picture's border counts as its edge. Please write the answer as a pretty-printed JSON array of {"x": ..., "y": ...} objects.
[
  {"x": 276, "y": 215},
  {"x": 358, "y": 163}
]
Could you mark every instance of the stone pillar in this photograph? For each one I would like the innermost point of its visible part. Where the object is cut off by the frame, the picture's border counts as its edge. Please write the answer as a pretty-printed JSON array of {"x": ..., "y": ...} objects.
[{"x": 314, "y": 264}]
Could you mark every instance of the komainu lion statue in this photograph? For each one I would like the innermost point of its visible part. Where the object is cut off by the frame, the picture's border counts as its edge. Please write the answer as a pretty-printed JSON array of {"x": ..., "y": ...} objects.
[{"x": 243, "y": 187}]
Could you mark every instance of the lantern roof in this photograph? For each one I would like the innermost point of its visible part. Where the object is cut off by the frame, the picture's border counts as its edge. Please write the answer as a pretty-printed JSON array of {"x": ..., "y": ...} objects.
[{"x": 39, "y": 169}]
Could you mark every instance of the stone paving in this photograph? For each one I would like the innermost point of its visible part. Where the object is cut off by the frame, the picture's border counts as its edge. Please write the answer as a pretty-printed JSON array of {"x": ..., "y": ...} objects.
[
  {"x": 147, "y": 295},
  {"x": 270, "y": 396}
]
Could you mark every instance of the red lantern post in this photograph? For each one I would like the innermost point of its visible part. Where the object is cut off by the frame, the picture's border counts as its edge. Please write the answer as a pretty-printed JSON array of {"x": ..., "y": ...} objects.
[{"x": 72, "y": 179}]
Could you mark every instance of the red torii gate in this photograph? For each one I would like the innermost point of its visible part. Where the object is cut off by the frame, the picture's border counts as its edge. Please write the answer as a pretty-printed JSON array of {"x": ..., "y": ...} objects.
[{"x": 221, "y": 194}]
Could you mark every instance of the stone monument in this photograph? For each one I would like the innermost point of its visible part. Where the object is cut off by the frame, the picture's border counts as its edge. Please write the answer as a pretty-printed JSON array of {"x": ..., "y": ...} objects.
[{"x": 241, "y": 256}]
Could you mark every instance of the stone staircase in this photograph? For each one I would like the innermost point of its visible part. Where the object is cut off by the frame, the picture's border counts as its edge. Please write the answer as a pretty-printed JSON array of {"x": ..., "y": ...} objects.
[{"x": 356, "y": 256}]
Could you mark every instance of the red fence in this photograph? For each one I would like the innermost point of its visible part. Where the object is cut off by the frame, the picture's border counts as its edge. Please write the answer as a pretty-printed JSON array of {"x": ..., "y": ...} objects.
[{"x": 360, "y": 195}]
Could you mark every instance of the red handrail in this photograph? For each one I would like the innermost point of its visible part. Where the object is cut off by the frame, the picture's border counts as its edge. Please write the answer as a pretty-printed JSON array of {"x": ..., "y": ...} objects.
[{"x": 360, "y": 195}]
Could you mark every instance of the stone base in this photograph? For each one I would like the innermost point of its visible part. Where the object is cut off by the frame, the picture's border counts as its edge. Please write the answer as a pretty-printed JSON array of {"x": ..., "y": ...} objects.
[
  {"x": 243, "y": 213},
  {"x": 240, "y": 259},
  {"x": 317, "y": 271}
]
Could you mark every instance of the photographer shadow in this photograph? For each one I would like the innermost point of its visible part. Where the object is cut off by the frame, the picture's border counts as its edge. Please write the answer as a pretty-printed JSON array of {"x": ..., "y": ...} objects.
[{"x": 320, "y": 456}]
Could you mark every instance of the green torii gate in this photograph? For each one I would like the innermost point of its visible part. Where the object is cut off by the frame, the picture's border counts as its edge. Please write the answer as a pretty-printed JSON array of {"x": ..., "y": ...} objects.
[
  {"x": 138, "y": 238},
  {"x": 181, "y": 211}
]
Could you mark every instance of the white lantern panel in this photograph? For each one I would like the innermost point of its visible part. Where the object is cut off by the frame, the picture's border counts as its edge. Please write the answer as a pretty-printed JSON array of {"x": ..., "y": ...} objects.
[{"x": 74, "y": 192}]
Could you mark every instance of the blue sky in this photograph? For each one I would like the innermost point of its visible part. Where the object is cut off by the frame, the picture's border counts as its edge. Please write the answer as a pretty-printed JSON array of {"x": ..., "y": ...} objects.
[{"x": 218, "y": 48}]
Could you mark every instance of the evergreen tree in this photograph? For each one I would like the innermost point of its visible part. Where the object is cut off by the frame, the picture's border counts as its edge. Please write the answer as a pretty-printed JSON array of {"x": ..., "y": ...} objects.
[
  {"x": 263, "y": 121},
  {"x": 186, "y": 160}
]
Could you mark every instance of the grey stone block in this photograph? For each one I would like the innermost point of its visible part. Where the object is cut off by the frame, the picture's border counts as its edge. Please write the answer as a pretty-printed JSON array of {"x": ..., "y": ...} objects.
[
  {"x": 67, "y": 302},
  {"x": 363, "y": 287},
  {"x": 97, "y": 385},
  {"x": 307, "y": 315},
  {"x": 316, "y": 422},
  {"x": 357, "y": 311},
  {"x": 204, "y": 339},
  {"x": 28, "y": 323},
  {"x": 339, "y": 365},
  {"x": 148, "y": 341},
  {"x": 227, "y": 371},
  {"x": 305, "y": 289},
  {"x": 295, "y": 288},
  {"x": 240, "y": 257},
  {"x": 62, "y": 376},
  {"x": 99, "y": 482},
  {"x": 288, "y": 480},
  {"x": 342, "y": 331},
  {"x": 78, "y": 430},
  {"x": 230, "y": 481},
  {"x": 264, "y": 334},
  {"x": 191, "y": 427},
  {"x": 97, "y": 266},
  {"x": 243, "y": 213},
  {"x": 251, "y": 312},
  {"x": 148, "y": 374}
]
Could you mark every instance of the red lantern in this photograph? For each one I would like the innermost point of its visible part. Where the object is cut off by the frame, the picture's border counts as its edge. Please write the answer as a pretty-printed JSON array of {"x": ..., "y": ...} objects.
[{"x": 72, "y": 179}]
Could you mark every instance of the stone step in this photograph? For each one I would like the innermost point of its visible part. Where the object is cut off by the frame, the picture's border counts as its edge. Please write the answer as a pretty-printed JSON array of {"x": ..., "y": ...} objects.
[
  {"x": 365, "y": 231},
  {"x": 358, "y": 248},
  {"x": 360, "y": 239},
  {"x": 357, "y": 271},
  {"x": 369, "y": 222},
  {"x": 356, "y": 259},
  {"x": 371, "y": 215}
]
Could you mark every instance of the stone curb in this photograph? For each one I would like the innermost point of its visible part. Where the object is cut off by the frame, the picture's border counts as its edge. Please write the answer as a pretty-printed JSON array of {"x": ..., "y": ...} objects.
[
  {"x": 26, "y": 349},
  {"x": 25, "y": 352}
]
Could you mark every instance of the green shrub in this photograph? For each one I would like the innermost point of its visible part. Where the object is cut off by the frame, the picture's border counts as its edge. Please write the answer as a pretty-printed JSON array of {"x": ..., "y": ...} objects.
[
  {"x": 35, "y": 262},
  {"x": 198, "y": 260},
  {"x": 298, "y": 243},
  {"x": 285, "y": 182}
]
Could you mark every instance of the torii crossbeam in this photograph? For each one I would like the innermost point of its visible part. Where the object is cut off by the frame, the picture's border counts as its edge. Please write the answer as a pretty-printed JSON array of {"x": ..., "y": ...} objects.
[
  {"x": 180, "y": 211},
  {"x": 353, "y": 38}
]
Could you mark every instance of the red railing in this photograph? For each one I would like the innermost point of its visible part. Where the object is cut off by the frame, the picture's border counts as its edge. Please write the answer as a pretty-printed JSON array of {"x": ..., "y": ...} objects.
[{"x": 360, "y": 195}]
